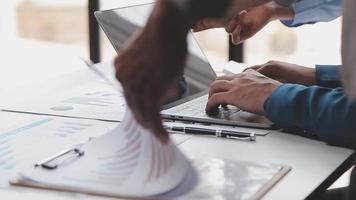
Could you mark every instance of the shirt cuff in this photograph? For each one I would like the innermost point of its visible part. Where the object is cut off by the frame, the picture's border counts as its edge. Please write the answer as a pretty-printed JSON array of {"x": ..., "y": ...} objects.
[
  {"x": 328, "y": 75},
  {"x": 310, "y": 12},
  {"x": 303, "y": 11},
  {"x": 278, "y": 105}
]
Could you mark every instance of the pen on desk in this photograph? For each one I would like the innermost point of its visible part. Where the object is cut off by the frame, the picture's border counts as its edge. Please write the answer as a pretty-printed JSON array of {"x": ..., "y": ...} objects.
[{"x": 218, "y": 133}]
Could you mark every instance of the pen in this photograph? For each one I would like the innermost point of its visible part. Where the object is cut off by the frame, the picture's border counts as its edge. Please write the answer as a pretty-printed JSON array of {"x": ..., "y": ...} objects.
[{"x": 218, "y": 133}]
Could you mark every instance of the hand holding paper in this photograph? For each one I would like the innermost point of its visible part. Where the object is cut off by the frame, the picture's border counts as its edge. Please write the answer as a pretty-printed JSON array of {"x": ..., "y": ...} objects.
[{"x": 129, "y": 161}]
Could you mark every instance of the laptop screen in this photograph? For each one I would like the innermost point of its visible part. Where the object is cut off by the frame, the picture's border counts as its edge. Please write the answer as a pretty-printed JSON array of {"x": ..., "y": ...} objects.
[{"x": 119, "y": 25}]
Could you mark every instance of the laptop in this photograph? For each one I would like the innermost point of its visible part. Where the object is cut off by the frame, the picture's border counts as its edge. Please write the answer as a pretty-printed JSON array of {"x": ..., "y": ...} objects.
[{"x": 121, "y": 23}]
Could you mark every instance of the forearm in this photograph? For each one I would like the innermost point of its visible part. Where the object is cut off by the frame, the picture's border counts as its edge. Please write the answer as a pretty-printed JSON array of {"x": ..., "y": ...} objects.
[{"x": 324, "y": 111}]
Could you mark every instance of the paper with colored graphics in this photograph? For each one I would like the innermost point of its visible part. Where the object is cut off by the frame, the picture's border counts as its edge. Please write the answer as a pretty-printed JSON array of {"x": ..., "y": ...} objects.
[{"x": 129, "y": 161}]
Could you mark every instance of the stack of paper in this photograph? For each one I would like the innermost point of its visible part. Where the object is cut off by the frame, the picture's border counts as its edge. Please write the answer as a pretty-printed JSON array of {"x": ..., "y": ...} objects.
[
  {"x": 129, "y": 161},
  {"x": 28, "y": 142}
]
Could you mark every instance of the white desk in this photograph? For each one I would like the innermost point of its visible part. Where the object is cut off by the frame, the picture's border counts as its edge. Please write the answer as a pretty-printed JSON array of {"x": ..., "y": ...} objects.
[
  {"x": 315, "y": 165},
  {"x": 312, "y": 161}
]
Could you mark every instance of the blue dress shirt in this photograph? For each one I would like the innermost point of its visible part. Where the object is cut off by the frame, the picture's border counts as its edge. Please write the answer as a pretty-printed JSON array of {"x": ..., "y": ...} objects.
[
  {"x": 323, "y": 110},
  {"x": 312, "y": 11}
]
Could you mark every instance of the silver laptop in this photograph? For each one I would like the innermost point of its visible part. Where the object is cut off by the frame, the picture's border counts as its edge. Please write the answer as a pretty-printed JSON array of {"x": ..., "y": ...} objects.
[{"x": 119, "y": 25}]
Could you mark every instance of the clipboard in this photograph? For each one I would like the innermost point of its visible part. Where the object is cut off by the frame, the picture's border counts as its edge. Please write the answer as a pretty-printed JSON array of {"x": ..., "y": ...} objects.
[
  {"x": 129, "y": 161},
  {"x": 184, "y": 194}
]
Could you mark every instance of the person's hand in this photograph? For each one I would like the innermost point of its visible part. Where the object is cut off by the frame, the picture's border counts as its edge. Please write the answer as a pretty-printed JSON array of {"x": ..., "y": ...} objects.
[
  {"x": 287, "y": 73},
  {"x": 245, "y": 24},
  {"x": 247, "y": 91},
  {"x": 151, "y": 66}
]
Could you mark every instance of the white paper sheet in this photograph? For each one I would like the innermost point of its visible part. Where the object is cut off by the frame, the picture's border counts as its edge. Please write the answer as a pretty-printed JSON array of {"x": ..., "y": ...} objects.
[
  {"x": 25, "y": 144},
  {"x": 233, "y": 67},
  {"x": 129, "y": 161},
  {"x": 93, "y": 100}
]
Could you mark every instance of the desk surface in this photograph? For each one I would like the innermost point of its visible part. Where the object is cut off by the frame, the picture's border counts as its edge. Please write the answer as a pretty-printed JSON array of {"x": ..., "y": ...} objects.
[
  {"x": 314, "y": 164},
  {"x": 312, "y": 161}
]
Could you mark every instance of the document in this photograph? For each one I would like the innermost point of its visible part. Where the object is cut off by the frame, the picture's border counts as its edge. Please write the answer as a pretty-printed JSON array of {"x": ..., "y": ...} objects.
[
  {"x": 26, "y": 143},
  {"x": 93, "y": 100},
  {"x": 41, "y": 137},
  {"x": 127, "y": 162}
]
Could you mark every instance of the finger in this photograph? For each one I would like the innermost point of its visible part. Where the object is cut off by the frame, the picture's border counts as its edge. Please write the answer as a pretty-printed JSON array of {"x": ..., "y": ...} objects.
[
  {"x": 199, "y": 26},
  {"x": 219, "y": 86},
  {"x": 248, "y": 28},
  {"x": 195, "y": 25},
  {"x": 236, "y": 25},
  {"x": 154, "y": 124},
  {"x": 225, "y": 77},
  {"x": 254, "y": 72},
  {"x": 134, "y": 106},
  {"x": 251, "y": 71},
  {"x": 242, "y": 14},
  {"x": 151, "y": 113},
  {"x": 266, "y": 71},
  {"x": 208, "y": 24},
  {"x": 232, "y": 24},
  {"x": 153, "y": 121},
  {"x": 236, "y": 39},
  {"x": 216, "y": 100},
  {"x": 157, "y": 128},
  {"x": 118, "y": 68},
  {"x": 256, "y": 67},
  {"x": 145, "y": 110}
]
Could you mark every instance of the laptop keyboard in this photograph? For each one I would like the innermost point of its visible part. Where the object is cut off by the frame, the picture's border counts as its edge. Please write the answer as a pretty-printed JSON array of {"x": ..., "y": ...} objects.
[{"x": 196, "y": 108}]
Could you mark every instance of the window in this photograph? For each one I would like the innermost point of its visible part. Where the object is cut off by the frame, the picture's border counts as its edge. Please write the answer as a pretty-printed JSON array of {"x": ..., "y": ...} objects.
[
  {"x": 306, "y": 45},
  {"x": 215, "y": 44},
  {"x": 41, "y": 39}
]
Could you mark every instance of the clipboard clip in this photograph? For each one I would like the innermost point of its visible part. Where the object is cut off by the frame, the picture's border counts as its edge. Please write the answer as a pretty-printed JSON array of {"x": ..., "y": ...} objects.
[{"x": 61, "y": 158}]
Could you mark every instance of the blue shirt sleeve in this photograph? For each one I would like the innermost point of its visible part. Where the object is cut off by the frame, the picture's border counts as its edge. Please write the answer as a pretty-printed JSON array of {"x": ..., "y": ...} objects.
[
  {"x": 323, "y": 111},
  {"x": 312, "y": 11},
  {"x": 328, "y": 75}
]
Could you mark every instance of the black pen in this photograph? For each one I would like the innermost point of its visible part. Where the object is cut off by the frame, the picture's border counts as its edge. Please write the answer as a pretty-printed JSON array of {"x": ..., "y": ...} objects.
[{"x": 218, "y": 133}]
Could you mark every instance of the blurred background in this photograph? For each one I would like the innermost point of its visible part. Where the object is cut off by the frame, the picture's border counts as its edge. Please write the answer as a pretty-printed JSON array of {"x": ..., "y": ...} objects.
[
  {"x": 48, "y": 36},
  {"x": 42, "y": 39}
]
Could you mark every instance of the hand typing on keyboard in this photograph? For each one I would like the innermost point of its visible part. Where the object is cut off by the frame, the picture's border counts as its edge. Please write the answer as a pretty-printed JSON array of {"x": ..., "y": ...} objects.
[{"x": 248, "y": 91}]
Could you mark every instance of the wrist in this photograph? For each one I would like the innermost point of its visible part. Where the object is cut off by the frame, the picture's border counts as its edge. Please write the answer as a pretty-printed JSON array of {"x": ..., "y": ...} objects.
[
  {"x": 310, "y": 76},
  {"x": 269, "y": 91},
  {"x": 280, "y": 12}
]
